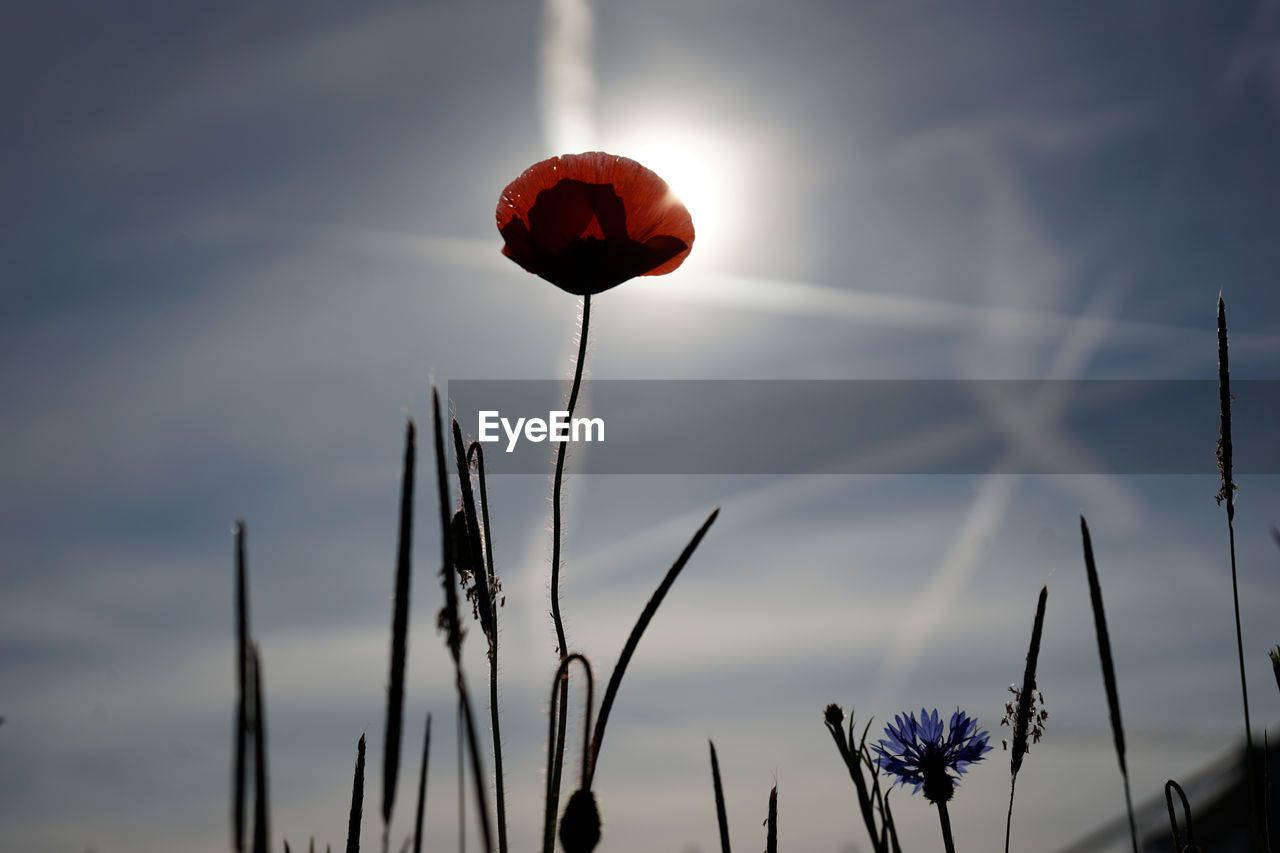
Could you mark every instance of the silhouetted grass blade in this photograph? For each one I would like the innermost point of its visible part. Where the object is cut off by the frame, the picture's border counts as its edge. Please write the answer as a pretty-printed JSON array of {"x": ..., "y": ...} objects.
[
  {"x": 833, "y": 719},
  {"x": 239, "y": 769},
  {"x": 422, "y": 789},
  {"x": 449, "y": 622},
  {"x": 261, "y": 806},
  {"x": 722, "y": 817},
  {"x": 1227, "y": 492},
  {"x": 771, "y": 822},
  {"x": 615, "y": 680},
  {"x": 448, "y": 619},
  {"x": 399, "y": 630},
  {"x": 1022, "y": 718},
  {"x": 480, "y": 578},
  {"x": 495, "y": 723},
  {"x": 1108, "y": 671},
  {"x": 357, "y": 801}
]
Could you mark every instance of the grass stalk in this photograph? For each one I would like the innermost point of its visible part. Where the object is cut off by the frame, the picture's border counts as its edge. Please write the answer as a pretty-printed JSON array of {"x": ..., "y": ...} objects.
[
  {"x": 473, "y": 558},
  {"x": 261, "y": 806},
  {"x": 646, "y": 616},
  {"x": 771, "y": 823},
  {"x": 422, "y": 789},
  {"x": 1022, "y": 718},
  {"x": 557, "y": 487},
  {"x": 1227, "y": 494},
  {"x": 1108, "y": 672},
  {"x": 239, "y": 765},
  {"x": 451, "y": 624},
  {"x": 722, "y": 817},
  {"x": 500, "y": 785},
  {"x": 357, "y": 801},
  {"x": 833, "y": 718},
  {"x": 459, "y": 724},
  {"x": 399, "y": 635}
]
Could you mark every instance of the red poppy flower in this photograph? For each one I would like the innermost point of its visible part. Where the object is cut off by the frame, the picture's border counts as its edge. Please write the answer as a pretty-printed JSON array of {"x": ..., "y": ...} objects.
[{"x": 588, "y": 222}]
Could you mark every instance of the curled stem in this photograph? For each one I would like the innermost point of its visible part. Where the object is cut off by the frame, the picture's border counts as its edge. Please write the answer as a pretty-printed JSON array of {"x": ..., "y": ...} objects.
[
  {"x": 559, "y": 688},
  {"x": 1171, "y": 787}
]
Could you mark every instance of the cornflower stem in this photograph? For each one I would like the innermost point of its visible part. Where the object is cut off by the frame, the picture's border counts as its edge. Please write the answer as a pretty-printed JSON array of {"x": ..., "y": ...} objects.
[
  {"x": 557, "y": 483},
  {"x": 945, "y": 820}
]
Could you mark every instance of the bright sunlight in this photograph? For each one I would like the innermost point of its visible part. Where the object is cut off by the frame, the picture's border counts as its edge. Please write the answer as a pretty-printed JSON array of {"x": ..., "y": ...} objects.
[{"x": 701, "y": 168}]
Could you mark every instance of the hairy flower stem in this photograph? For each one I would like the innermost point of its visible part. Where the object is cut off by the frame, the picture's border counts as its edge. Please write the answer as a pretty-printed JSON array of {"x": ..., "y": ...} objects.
[
  {"x": 945, "y": 820},
  {"x": 553, "y": 795}
]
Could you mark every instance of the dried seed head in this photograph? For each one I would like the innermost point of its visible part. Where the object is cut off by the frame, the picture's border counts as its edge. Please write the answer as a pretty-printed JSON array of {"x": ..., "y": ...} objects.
[
  {"x": 580, "y": 826},
  {"x": 1036, "y": 719}
]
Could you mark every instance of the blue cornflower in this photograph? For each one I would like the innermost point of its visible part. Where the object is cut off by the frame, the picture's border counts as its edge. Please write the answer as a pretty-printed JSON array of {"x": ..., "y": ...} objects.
[{"x": 917, "y": 752}]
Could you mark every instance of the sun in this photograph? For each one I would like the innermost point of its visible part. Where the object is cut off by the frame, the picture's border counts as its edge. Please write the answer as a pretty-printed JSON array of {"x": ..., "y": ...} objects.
[{"x": 700, "y": 169}]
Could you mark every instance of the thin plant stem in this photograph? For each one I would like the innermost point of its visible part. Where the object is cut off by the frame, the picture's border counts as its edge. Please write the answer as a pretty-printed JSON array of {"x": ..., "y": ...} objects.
[
  {"x": 558, "y": 685},
  {"x": 422, "y": 789},
  {"x": 722, "y": 817},
  {"x": 399, "y": 635},
  {"x": 240, "y": 769},
  {"x": 462, "y": 784},
  {"x": 1108, "y": 672},
  {"x": 1008, "y": 818},
  {"x": 1171, "y": 787},
  {"x": 1228, "y": 494},
  {"x": 1022, "y": 719},
  {"x": 476, "y": 451},
  {"x": 261, "y": 806},
  {"x": 633, "y": 640},
  {"x": 853, "y": 761},
  {"x": 557, "y": 484},
  {"x": 473, "y": 557},
  {"x": 449, "y": 622},
  {"x": 945, "y": 820},
  {"x": 771, "y": 833},
  {"x": 357, "y": 801}
]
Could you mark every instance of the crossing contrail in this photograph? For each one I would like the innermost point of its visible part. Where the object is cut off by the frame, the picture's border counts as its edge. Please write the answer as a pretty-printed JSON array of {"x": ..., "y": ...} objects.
[{"x": 567, "y": 79}]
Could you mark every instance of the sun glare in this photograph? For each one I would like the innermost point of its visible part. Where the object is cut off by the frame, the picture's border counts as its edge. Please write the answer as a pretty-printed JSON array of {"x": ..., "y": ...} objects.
[{"x": 699, "y": 167}]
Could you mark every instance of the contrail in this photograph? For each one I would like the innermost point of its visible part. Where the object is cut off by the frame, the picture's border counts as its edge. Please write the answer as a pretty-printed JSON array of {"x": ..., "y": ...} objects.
[{"x": 567, "y": 80}]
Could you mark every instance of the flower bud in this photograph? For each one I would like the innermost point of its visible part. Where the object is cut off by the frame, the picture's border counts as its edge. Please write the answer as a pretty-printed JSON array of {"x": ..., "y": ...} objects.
[{"x": 580, "y": 826}]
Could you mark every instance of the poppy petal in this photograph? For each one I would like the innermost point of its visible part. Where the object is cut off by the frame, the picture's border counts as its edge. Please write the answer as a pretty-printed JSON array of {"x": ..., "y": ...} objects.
[{"x": 587, "y": 222}]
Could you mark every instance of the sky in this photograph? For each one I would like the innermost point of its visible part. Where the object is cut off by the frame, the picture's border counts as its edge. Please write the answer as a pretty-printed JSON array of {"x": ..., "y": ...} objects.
[{"x": 242, "y": 241}]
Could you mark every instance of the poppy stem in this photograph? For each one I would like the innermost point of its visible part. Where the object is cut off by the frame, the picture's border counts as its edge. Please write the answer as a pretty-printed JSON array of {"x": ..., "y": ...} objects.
[
  {"x": 553, "y": 791},
  {"x": 945, "y": 820}
]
